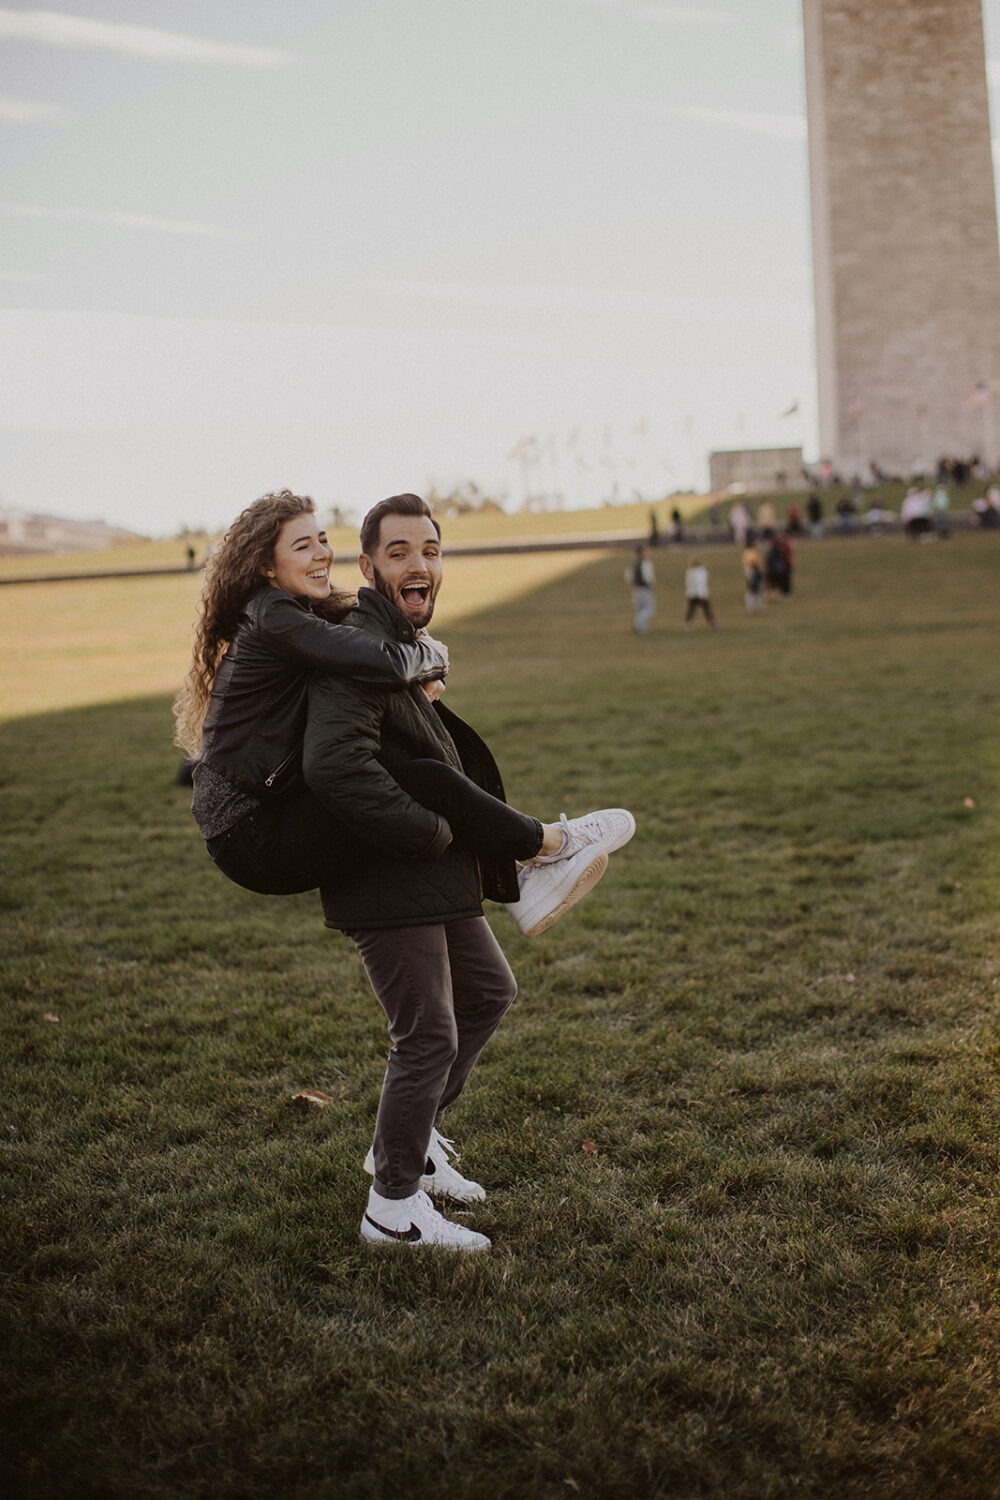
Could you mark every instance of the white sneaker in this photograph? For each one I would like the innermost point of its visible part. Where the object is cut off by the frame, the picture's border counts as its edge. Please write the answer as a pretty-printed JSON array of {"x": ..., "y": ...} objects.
[
  {"x": 549, "y": 890},
  {"x": 607, "y": 829},
  {"x": 415, "y": 1221},
  {"x": 440, "y": 1176}
]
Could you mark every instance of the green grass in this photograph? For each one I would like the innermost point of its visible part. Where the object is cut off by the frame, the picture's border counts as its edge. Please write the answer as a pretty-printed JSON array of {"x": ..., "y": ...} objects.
[
  {"x": 88, "y": 640},
  {"x": 740, "y": 1130}
]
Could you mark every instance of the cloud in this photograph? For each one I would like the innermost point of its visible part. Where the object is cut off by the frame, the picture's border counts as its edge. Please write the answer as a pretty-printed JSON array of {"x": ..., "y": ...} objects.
[
  {"x": 779, "y": 127},
  {"x": 29, "y": 111},
  {"x": 57, "y": 30},
  {"x": 121, "y": 220}
]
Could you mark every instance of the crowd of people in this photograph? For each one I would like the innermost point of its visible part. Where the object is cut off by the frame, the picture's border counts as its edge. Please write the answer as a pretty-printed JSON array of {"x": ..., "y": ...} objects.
[{"x": 767, "y": 541}]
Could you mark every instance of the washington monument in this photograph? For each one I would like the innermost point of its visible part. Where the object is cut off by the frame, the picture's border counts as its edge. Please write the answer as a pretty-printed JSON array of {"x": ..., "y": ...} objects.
[{"x": 906, "y": 264}]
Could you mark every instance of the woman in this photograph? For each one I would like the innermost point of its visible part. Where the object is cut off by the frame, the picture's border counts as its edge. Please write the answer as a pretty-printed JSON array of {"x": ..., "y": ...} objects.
[{"x": 269, "y": 619}]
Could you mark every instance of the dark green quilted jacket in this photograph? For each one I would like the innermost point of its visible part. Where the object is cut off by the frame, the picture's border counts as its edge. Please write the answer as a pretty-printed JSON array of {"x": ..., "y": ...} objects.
[{"x": 354, "y": 735}]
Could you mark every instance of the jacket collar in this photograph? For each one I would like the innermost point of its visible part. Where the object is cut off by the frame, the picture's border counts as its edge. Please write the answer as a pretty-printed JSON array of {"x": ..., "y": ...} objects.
[
  {"x": 265, "y": 594},
  {"x": 375, "y": 607}
]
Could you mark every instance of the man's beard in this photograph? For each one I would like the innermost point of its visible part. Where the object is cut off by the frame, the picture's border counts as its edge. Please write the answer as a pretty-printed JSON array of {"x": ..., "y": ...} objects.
[{"x": 418, "y": 620}]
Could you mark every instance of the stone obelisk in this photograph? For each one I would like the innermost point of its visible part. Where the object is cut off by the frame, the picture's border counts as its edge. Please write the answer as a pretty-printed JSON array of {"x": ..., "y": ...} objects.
[{"x": 905, "y": 256}]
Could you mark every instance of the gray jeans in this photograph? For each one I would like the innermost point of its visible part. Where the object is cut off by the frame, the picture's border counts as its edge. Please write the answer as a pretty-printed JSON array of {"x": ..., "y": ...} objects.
[{"x": 444, "y": 988}]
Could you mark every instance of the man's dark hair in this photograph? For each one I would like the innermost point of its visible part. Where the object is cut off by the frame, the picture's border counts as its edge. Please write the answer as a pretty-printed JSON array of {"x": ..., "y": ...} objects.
[{"x": 396, "y": 505}]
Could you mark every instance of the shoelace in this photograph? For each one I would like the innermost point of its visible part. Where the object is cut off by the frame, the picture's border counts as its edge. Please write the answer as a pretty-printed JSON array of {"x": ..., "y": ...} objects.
[
  {"x": 587, "y": 833},
  {"x": 437, "y": 1139}
]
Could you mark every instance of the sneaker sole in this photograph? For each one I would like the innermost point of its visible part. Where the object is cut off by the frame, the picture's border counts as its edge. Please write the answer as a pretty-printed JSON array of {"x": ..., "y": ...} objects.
[{"x": 585, "y": 883}]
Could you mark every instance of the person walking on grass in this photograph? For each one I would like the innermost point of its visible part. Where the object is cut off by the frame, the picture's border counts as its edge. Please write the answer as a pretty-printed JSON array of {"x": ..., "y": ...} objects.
[
  {"x": 696, "y": 590},
  {"x": 753, "y": 577},
  {"x": 413, "y": 908},
  {"x": 641, "y": 579},
  {"x": 270, "y": 620}
]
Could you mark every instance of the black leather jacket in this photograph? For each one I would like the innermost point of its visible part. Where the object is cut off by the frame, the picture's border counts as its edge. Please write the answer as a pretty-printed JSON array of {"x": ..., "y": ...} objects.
[{"x": 257, "y": 710}]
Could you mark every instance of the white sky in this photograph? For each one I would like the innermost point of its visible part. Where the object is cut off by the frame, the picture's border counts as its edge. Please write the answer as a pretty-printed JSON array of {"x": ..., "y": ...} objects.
[{"x": 360, "y": 246}]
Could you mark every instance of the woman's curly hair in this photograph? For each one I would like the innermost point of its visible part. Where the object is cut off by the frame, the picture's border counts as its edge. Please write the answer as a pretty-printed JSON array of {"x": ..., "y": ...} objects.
[{"x": 233, "y": 574}]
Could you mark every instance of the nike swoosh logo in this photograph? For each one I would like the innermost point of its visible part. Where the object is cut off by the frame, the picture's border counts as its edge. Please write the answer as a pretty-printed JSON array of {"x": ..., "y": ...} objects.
[{"x": 409, "y": 1235}]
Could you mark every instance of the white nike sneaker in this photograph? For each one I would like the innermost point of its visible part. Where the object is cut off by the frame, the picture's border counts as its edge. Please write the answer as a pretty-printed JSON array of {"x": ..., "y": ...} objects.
[
  {"x": 549, "y": 890},
  {"x": 607, "y": 829},
  {"x": 440, "y": 1176},
  {"x": 415, "y": 1221}
]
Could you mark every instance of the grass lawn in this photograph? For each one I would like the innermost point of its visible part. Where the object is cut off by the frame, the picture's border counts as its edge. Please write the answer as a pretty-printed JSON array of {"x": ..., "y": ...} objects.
[{"x": 739, "y": 1132}]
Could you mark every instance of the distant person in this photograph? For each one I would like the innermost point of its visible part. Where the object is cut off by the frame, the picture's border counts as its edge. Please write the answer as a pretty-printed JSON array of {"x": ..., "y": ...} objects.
[
  {"x": 676, "y": 526},
  {"x": 270, "y": 624},
  {"x": 987, "y": 508},
  {"x": 641, "y": 579},
  {"x": 939, "y": 505},
  {"x": 654, "y": 529},
  {"x": 778, "y": 563},
  {"x": 740, "y": 521},
  {"x": 915, "y": 513},
  {"x": 793, "y": 521},
  {"x": 814, "y": 511},
  {"x": 845, "y": 513},
  {"x": 876, "y": 518},
  {"x": 696, "y": 590},
  {"x": 190, "y": 554},
  {"x": 766, "y": 517},
  {"x": 753, "y": 578}
]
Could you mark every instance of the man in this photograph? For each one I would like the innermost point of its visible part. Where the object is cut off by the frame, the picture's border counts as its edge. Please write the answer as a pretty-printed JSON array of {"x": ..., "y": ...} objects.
[
  {"x": 696, "y": 590},
  {"x": 414, "y": 908},
  {"x": 640, "y": 577}
]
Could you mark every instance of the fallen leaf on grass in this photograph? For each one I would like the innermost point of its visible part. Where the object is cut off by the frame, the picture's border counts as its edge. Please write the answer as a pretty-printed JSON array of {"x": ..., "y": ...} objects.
[
  {"x": 313, "y": 1096},
  {"x": 968, "y": 802},
  {"x": 589, "y": 1147},
  {"x": 48, "y": 1016}
]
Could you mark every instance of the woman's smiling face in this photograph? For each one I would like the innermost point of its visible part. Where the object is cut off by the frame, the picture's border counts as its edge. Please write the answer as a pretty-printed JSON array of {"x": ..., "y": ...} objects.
[{"x": 302, "y": 558}]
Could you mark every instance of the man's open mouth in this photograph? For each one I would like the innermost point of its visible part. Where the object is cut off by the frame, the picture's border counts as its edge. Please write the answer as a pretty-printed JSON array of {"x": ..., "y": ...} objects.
[{"x": 414, "y": 593}]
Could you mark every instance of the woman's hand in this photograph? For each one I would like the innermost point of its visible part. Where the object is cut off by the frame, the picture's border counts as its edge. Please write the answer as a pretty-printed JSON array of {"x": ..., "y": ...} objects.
[{"x": 434, "y": 686}]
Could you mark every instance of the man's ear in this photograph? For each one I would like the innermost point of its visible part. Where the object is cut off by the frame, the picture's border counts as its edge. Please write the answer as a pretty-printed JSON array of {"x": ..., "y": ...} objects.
[{"x": 367, "y": 567}]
